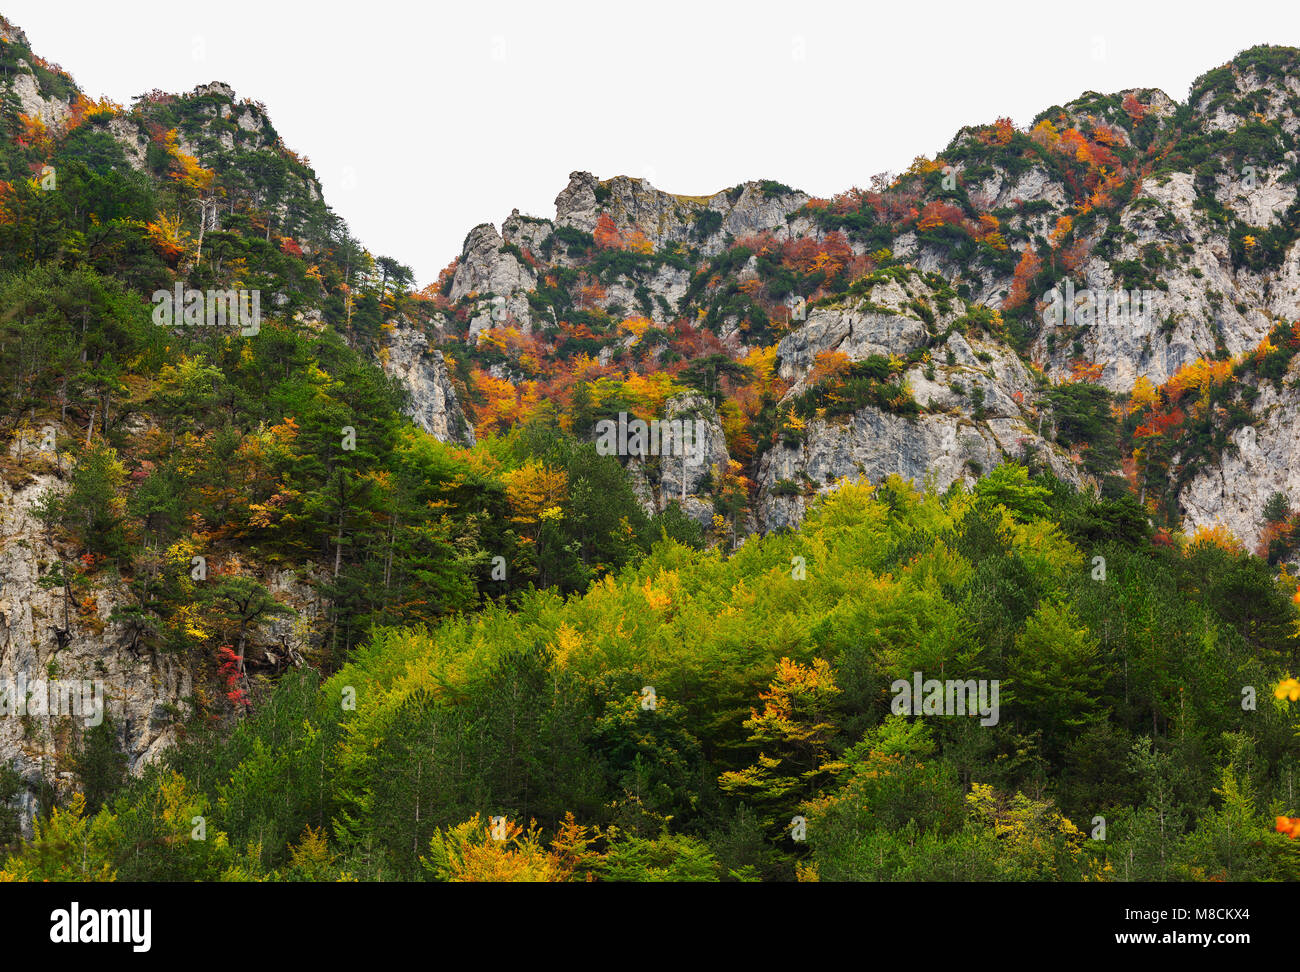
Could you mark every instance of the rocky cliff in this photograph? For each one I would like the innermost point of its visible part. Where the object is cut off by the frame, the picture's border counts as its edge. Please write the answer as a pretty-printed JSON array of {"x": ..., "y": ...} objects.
[
  {"x": 1192, "y": 205},
  {"x": 903, "y": 330}
]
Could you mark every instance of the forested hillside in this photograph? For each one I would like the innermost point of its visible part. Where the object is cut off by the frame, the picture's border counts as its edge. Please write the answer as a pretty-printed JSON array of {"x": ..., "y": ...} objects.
[{"x": 368, "y": 599}]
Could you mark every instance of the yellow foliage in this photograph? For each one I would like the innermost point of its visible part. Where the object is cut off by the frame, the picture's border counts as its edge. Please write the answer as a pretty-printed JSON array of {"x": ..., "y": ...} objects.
[
  {"x": 638, "y": 243},
  {"x": 660, "y": 597},
  {"x": 187, "y": 170},
  {"x": 636, "y": 325},
  {"x": 762, "y": 362},
  {"x": 1033, "y": 834},
  {"x": 70, "y": 854},
  {"x": 806, "y": 873},
  {"x": 470, "y": 852},
  {"x": 1143, "y": 395},
  {"x": 1218, "y": 535},
  {"x": 1061, "y": 231},
  {"x": 567, "y": 640},
  {"x": 506, "y": 405},
  {"x": 1045, "y": 134},
  {"x": 534, "y": 490},
  {"x": 167, "y": 236},
  {"x": 828, "y": 366}
]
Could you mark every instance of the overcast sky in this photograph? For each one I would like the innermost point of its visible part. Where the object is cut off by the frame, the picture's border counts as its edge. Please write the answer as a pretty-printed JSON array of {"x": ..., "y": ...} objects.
[{"x": 423, "y": 120}]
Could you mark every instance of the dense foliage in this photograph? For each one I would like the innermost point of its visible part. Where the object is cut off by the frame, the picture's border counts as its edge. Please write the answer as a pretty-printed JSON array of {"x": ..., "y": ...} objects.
[
  {"x": 1121, "y": 697},
  {"x": 494, "y": 664}
]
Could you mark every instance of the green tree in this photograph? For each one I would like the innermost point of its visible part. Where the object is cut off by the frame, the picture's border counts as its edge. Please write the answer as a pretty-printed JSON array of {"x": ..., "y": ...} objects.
[{"x": 1056, "y": 674}]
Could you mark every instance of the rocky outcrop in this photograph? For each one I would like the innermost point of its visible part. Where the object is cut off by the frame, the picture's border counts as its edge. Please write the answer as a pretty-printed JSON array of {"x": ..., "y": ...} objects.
[
  {"x": 1201, "y": 302},
  {"x": 882, "y": 324},
  {"x": 33, "y": 98},
  {"x": 52, "y": 112},
  {"x": 978, "y": 404},
  {"x": 55, "y": 637},
  {"x": 422, "y": 370},
  {"x": 495, "y": 273},
  {"x": 934, "y": 450},
  {"x": 685, "y": 476},
  {"x": 48, "y": 636},
  {"x": 664, "y": 218},
  {"x": 1260, "y": 460},
  {"x": 489, "y": 272}
]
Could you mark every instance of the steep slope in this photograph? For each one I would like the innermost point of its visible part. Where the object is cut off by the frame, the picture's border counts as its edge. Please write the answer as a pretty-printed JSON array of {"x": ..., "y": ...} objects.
[
  {"x": 190, "y": 510},
  {"x": 124, "y": 561},
  {"x": 1187, "y": 212}
]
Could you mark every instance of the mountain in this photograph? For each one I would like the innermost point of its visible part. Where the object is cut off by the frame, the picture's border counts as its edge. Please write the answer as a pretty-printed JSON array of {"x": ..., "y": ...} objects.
[
  {"x": 1192, "y": 204},
  {"x": 251, "y": 464}
]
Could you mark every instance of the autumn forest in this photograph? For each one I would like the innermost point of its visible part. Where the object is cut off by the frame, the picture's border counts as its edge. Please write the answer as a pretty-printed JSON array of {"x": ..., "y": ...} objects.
[{"x": 367, "y": 600}]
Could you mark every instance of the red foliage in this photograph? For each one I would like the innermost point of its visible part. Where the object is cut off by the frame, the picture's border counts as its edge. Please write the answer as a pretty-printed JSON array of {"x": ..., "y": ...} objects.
[
  {"x": 807, "y": 256},
  {"x": 692, "y": 342},
  {"x": 1159, "y": 424},
  {"x": 1101, "y": 155},
  {"x": 1271, "y": 532},
  {"x": 938, "y": 213},
  {"x": 895, "y": 206},
  {"x": 761, "y": 243},
  {"x": 607, "y": 235},
  {"x": 1135, "y": 109},
  {"x": 852, "y": 200},
  {"x": 230, "y": 671},
  {"x": 1028, "y": 267},
  {"x": 1082, "y": 370},
  {"x": 591, "y": 294}
]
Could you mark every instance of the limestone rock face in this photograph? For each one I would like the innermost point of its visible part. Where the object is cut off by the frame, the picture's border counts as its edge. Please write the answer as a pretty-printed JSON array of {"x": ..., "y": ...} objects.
[
  {"x": 979, "y": 404},
  {"x": 855, "y": 331},
  {"x": 576, "y": 204},
  {"x": 495, "y": 272},
  {"x": 495, "y": 277},
  {"x": 52, "y": 112},
  {"x": 133, "y": 141},
  {"x": 47, "y": 637},
  {"x": 422, "y": 370},
  {"x": 685, "y": 476},
  {"x": 663, "y": 218},
  {"x": 1191, "y": 313},
  {"x": 873, "y": 445},
  {"x": 1261, "y": 460},
  {"x": 11, "y": 33},
  {"x": 72, "y": 641}
]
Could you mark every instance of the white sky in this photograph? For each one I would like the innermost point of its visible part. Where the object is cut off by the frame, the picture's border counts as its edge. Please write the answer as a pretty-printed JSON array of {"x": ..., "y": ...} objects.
[{"x": 425, "y": 119}]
